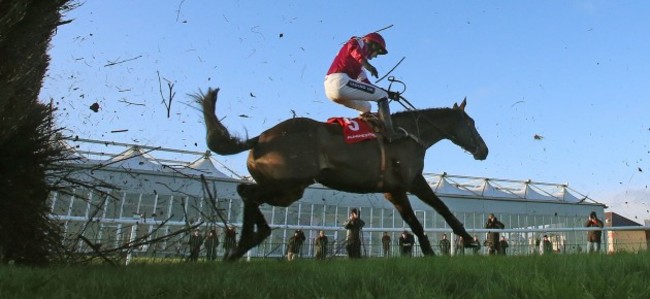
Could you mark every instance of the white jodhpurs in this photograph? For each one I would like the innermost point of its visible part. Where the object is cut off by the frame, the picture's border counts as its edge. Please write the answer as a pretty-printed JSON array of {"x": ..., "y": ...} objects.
[{"x": 340, "y": 88}]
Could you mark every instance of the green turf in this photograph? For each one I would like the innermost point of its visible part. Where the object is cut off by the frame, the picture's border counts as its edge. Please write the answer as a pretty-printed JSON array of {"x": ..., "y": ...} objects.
[{"x": 553, "y": 276}]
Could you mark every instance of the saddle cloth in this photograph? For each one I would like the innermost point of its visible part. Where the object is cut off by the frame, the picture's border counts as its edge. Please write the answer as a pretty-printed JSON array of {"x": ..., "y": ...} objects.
[{"x": 354, "y": 129}]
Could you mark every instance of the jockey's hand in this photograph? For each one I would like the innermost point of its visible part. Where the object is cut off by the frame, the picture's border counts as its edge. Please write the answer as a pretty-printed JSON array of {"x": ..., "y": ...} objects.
[
  {"x": 393, "y": 95},
  {"x": 371, "y": 69}
]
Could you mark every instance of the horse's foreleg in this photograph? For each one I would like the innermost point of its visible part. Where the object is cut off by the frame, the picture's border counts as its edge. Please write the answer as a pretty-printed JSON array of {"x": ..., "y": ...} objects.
[
  {"x": 403, "y": 206},
  {"x": 422, "y": 190}
]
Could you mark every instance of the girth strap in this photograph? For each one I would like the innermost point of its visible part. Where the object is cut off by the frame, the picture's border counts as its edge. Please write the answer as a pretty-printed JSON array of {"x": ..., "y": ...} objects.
[{"x": 382, "y": 169}]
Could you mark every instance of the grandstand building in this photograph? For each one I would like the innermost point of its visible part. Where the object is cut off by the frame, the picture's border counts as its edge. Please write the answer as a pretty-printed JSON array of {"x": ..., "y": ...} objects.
[{"x": 127, "y": 193}]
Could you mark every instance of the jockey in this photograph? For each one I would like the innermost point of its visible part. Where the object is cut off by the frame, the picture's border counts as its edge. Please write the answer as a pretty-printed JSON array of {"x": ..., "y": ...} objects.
[{"x": 346, "y": 82}]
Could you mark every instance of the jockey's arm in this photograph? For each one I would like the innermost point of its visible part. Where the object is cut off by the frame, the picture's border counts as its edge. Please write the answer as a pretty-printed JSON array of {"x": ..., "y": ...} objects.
[{"x": 370, "y": 68}]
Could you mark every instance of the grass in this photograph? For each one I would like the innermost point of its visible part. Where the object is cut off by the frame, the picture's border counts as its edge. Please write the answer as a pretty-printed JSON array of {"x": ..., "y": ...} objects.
[{"x": 556, "y": 276}]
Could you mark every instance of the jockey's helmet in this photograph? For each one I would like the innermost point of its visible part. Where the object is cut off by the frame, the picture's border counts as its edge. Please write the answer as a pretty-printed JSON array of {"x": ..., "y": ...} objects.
[{"x": 376, "y": 38}]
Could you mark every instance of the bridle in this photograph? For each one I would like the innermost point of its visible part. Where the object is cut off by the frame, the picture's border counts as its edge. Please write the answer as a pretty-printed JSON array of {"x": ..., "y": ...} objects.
[{"x": 409, "y": 107}]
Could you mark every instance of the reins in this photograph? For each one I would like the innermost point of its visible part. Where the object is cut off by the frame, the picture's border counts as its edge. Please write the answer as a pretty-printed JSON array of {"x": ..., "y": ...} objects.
[{"x": 409, "y": 107}]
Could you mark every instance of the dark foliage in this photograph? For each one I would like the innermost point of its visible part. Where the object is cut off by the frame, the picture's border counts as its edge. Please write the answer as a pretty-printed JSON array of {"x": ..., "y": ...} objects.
[{"x": 28, "y": 151}]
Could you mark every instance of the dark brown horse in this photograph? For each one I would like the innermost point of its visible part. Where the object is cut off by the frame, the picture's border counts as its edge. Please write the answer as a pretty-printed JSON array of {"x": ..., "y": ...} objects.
[{"x": 298, "y": 152}]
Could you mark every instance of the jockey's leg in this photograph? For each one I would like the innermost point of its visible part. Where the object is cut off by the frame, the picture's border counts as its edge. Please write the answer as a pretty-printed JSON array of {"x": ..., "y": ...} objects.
[
  {"x": 354, "y": 94},
  {"x": 384, "y": 115}
]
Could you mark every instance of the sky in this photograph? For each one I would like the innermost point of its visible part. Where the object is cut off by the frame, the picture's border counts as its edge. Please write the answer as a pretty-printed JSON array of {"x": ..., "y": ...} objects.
[{"x": 573, "y": 73}]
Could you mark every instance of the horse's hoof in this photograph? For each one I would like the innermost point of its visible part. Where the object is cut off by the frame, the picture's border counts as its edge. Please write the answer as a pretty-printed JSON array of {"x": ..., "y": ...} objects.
[{"x": 471, "y": 245}]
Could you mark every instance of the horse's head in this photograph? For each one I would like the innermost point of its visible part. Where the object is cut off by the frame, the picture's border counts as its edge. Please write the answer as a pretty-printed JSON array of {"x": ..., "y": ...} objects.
[{"x": 465, "y": 135}]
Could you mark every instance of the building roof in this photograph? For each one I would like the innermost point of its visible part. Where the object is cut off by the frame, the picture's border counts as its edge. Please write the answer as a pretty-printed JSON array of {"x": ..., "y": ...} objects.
[
  {"x": 453, "y": 185},
  {"x": 134, "y": 157},
  {"x": 612, "y": 219}
]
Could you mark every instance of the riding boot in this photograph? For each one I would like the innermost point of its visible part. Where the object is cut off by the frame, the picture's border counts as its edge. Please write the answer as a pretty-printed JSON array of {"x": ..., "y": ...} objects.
[{"x": 384, "y": 115}]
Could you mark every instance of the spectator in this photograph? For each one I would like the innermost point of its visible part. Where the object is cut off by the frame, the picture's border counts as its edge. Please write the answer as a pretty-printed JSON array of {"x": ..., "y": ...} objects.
[
  {"x": 385, "y": 243},
  {"x": 321, "y": 246},
  {"x": 445, "y": 245},
  {"x": 301, "y": 240},
  {"x": 294, "y": 246},
  {"x": 196, "y": 240},
  {"x": 492, "y": 241},
  {"x": 230, "y": 240},
  {"x": 406, "y": 241},
  {"x": 460, "y": 246},
  {"x": 211, "y": 245},
  {"x": 353, "y": 240},
  {"x": 503, "y": 245},
  {"x": 593, "y": 236},
  {"x": 545, "y": 247}
]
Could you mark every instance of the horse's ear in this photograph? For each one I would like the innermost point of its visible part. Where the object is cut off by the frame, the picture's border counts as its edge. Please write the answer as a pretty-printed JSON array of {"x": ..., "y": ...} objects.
[
  {"x": 455, "y": 106},
  {"x": 463, "y": 104}
]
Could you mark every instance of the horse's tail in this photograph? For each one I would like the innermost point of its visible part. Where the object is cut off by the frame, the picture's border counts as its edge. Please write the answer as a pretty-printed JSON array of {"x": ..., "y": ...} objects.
[{"x": 218, "y": 138}]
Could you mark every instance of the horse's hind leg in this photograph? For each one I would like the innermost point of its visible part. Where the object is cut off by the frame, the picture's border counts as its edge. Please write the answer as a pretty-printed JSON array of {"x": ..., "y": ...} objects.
[
  {"x": 255, "y": 229},
  {"x": 403, "y": 206},
  {"x": 253, "y": 195},
  {"x": 253, "y": 217}
]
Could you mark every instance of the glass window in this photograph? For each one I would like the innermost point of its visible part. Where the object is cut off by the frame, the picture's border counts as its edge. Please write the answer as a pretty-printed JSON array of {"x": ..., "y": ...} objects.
[
  {"x": 211, "y": 211},
  {"x": 114, "y": 204},
  {"x": 194, "y": 209},
  {"x": 376, "y": 220},
  {"x": 441, "y": 222},
  {"x": 178, "y": 208},
  {"x": 108, "y": 236},
  {"x": 276, "y": 243},
  {"x": 292, "y": 214},
  {"x": 305, "y": 214},
  {"x": 162, "y": 207},
  {"x": 146, "y": 204},
  {"x": 79, "y": 203},
  {"x": 97, "y": 204},
  {"x": 92, "y": 232},
  {"x": 124, "y": 234},
  {"x": 330, "y": 215},
  {"x": 420, "y": 215},
  {"x": 71, "y": 236},
  {"x": 130, "y": 207},
  {"x": 317, "y": 217},
  {"x": 388, "y": 218},
  {"x": 279, "y": 216},
  {"x": 267, "y": 211},
  {"x": 62, "y": 204},
  {"x": 235, "y": 213},
  {"x": 343, "y": 215},
  {"x": 475, "y": 220}
]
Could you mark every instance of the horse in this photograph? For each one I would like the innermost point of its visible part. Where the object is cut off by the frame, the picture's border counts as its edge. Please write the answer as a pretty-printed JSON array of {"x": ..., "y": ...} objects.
[{"x": 296, "y": 153}]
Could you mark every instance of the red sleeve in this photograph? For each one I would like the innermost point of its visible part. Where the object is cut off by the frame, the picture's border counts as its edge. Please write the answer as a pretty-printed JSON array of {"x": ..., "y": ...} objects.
[{"x": 357, "y": 52}]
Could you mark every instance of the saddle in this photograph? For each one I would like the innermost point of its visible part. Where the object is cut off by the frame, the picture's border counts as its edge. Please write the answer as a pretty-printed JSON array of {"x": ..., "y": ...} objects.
[
  {"x": 379, "y": 126},
  {"x": 365, "y": 127},
  {"x": 355, "y": 129},
  {"x": 374, "y": 121}
]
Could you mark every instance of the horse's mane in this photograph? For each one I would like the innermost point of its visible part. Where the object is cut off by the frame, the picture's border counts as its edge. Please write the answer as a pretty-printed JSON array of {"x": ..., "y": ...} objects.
[
  {"x": 415, "y": 120},
  {"x": 428, "y": 111}
]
